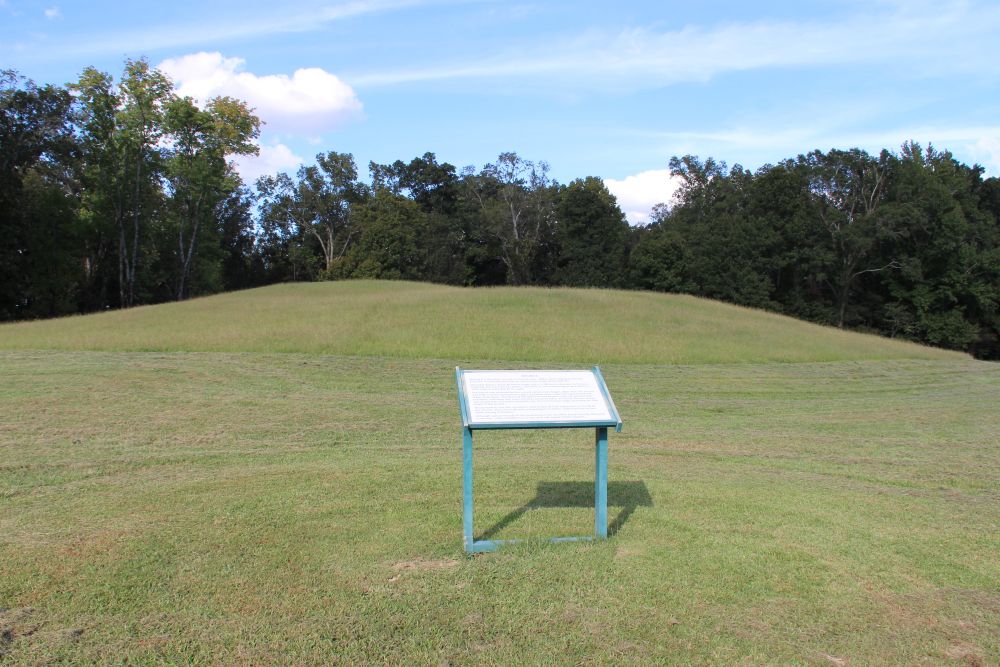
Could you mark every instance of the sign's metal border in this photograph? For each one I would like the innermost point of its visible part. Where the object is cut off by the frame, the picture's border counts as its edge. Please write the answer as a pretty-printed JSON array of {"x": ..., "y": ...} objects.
[{"x": 600, "y": 455}]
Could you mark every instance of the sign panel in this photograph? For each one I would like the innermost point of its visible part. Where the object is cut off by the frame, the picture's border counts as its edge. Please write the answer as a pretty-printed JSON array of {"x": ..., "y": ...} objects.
[
  {"x": 494, "y": 398},
  {"x": 535, "y": 399}
]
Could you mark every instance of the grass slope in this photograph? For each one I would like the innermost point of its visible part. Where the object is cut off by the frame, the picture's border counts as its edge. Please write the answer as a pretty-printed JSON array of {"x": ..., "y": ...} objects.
[
  {"x": 423, "y": 321},
  {"x": 261, "y": 508}
]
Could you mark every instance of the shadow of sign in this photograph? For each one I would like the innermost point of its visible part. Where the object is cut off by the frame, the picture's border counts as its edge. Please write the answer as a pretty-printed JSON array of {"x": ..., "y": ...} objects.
[{"x": 627, "y": 495}]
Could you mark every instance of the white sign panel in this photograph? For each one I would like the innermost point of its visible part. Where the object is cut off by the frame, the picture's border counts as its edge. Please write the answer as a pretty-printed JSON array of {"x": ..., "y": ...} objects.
[{"x": 517, "y": 397}]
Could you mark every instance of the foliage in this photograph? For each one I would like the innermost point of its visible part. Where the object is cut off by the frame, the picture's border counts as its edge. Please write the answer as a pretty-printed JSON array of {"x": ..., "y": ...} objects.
[
  {"x": 154, "y": 174},
  {"x": 515, "y": 198},
  {"x": 316, "y": 208},
  {"x": 198, "y": 176},
  {"x": 591, "y": 235},
  {"x": 905, "y": 245},
  {"x": 124, "y": 193},
  {"x": 37, "y": 225},
  {"x": 389, "y": 244},
  {"x": 437, "y": 190}
]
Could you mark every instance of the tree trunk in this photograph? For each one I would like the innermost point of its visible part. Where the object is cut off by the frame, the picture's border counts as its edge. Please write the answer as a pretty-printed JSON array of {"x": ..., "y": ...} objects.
[
  {"x": 122, "y": 254},
  {"x": 130, "y": 263},
  {"x": 187, "y": 254}
]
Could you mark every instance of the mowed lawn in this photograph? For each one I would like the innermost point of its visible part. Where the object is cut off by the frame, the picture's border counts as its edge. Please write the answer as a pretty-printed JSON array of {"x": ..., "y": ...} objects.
[{"x": 245, "y": 506}]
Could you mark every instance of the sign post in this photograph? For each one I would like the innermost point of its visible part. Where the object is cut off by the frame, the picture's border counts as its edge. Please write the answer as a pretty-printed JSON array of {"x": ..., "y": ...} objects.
[{"x": 535, "y": 399}]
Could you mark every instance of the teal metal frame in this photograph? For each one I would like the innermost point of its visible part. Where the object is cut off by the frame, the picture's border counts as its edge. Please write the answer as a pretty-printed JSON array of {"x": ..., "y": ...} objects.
[{"x": 473, "y": 545}]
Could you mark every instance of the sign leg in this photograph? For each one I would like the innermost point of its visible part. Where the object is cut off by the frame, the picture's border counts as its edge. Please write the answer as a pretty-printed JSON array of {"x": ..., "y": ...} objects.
[
  {"x": 601, "y": 484},
  {"x": 467, "y": 536}
]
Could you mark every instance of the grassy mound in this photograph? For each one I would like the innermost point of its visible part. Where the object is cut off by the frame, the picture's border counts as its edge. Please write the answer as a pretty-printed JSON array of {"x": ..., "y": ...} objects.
[{"x": 423, "y": 321}]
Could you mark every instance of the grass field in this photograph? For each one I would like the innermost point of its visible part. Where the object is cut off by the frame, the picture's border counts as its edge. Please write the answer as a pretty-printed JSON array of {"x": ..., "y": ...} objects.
[{"x": 206, "y": 496}]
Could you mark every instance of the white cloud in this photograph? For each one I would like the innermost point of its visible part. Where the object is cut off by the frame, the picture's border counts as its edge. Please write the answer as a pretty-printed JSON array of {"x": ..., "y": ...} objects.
[
  {"x": 310, "y": 100},
  {"x": 986, "y": 151},
  {"x": 639, "y": 193},
  {"x": 969, "y": 144},
  {"x": 53, "y": 13},
  {"x": 964, "y": 38},
  {"x": 273, "y": 158},
  {"x": 211, "y": 29}
]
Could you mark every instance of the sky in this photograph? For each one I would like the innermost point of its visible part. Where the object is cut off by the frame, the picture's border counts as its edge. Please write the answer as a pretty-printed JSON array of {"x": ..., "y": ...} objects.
[{"x": 592, "y": 88}]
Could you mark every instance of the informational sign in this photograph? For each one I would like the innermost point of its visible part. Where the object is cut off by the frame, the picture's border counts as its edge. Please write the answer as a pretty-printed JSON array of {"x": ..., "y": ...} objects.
[
  {"x": 535, "y": 399},
  {"x": 522, "y": 397}
]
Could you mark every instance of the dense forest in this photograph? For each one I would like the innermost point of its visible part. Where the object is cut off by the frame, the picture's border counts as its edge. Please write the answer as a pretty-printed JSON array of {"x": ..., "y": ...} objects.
[{"x": 119, "y": 193}]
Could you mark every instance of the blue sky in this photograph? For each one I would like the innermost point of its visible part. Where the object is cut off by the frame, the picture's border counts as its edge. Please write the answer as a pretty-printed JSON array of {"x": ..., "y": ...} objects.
[{"x": 593, "y": 88}]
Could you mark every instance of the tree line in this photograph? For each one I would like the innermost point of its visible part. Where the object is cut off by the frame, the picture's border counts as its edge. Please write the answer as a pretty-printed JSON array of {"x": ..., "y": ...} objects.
[{"x": 119, "y": 193}]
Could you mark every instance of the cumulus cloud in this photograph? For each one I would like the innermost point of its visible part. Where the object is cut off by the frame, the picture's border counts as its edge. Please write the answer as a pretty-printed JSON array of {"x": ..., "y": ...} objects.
[
  {"x": 639, "y": 193},
  {"x": 53, "y": 13},
  {"x": 986, "y": 151},
  {"x": 273, "y": 158},
  {"x": 311, "y": 100}
]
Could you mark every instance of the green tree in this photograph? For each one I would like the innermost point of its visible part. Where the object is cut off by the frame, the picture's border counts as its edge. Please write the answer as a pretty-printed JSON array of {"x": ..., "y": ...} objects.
[
  {"x": 947, "y": 288},
  {"x": 988, "y": 290},
  {"x": 198, "y": 172},
  {"x": 848, "y": 189},
  {"x": 121, "y": 131},
  {"x": 657, "y": 260},
  {"x": 726, "y": 254},
  {"x": 516, "y": 204},
  {"x": 436, "y": 189},
  {"x": 390, "y": 227},
  {"x": 591, "y": 235},
  {"x": 38, "y": 272},
  {"x": 316, "y": 207},
  {"x": 797, "y": 253},
  {"x": 282, "y": 242},
  {"x": 102, "y": 189},
  {"x": 242, "y": 261}
]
